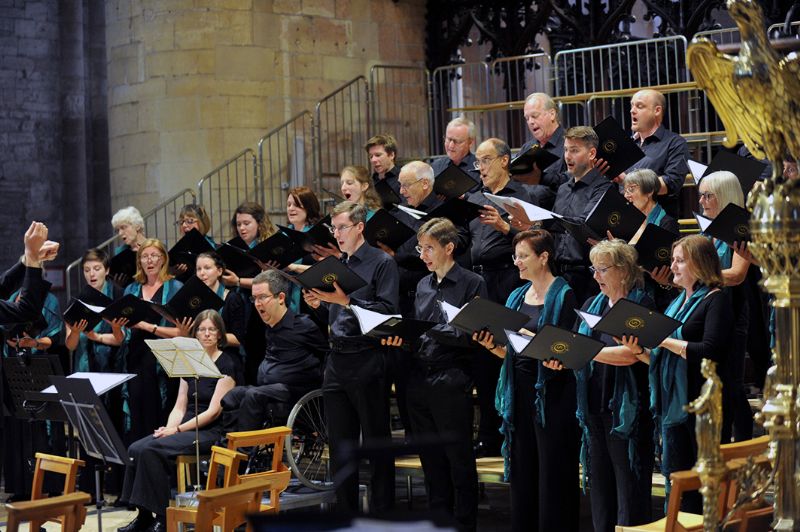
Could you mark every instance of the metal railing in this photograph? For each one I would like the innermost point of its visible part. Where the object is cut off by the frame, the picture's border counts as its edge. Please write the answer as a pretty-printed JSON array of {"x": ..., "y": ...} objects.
[
  {"x": 158, "y": 223},
  {"x": 340, "y": 132},
  {"x": 286, "y": 159},
  {"x": 732, "y": 35},
  {"x": 222, "y": 190},
  {"x": 400, "y": 105},
  {"x": 458, "y": 86}
]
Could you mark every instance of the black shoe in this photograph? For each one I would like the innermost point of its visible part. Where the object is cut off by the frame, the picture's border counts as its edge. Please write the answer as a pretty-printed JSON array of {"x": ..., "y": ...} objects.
[
  {"x": 142, "y": 522},
  {"x": 157, "y": 526}
]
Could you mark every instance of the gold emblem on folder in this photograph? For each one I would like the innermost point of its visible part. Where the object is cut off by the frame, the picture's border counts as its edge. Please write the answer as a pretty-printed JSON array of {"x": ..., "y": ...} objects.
[
  {"x": 614, "y": 218},
  {"x": 195, "y": 302},
  {"x": 610, "y": 146},
  {"x": 278, "y": 251},
  {"x": 559, "y": 348},
  {"x": 742, "y": 229},
  {"x": 127, "y": 311},
  {"x": 382, "y": 234},
  {"x": 634, "y": 323},
  {"x": 329, "y": 278},
  {"x": 662, "y": 254}
]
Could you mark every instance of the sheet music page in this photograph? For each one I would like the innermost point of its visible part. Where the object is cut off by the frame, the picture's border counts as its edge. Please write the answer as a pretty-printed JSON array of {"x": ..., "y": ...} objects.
[
  {"x": 369, "y": 319},
  {"x": 451, "y": 311},
  {"x": 697, "y": 169},
  {"x": 93, "y": 308},
  {"x": 518, "y": 341},
  {"x": 702, "y": 221},
  {"x": 590, "y": 319},
  {"x": 101, "y": 382},
  {"x": 414, "y": 213},
  {"x": 533, "y": 212}
]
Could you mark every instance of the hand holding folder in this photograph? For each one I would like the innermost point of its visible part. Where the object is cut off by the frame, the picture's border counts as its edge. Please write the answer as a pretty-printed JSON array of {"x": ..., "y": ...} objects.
[
  {"x": 384, "y": 325},
  {"x": 571, "y": 349},
  {"x": 627, "y": 318},
  {"x": 483, "y": 314}
]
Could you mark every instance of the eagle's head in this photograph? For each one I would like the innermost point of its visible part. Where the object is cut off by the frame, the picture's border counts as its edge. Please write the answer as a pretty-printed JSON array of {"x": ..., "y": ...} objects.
[{"x": 747, "y": 14}]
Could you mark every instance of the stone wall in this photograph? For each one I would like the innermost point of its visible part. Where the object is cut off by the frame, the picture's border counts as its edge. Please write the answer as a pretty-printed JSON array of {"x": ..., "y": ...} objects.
[{"x": 191, "y": 83}]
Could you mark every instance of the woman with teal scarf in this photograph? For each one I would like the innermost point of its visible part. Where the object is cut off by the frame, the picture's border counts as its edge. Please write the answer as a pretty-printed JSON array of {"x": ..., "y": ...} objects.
[
  {"x": 612, "y": 394},
  {"x": 640, "y": 188},
  {"x": 716, "y": 191},
  {"x": 209, "y": 268},
  {"x": 357, "y": 185},
  {"x": 675, "y": 377},
  {"x": 145, "y": 398},
  {"x": 302, "y": 212},
  {"x": 536, "y": 404}
]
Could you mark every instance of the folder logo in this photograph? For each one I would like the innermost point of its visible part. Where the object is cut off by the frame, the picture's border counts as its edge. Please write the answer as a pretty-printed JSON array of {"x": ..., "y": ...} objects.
[
  {"x": 559, "y": 348},
  {"x": 614, "y": 218},
  {"x": 662, "y": 254},
  {"x": 329, "y": 278},
  {"x": 277, "y": 251},
  {"x": 195, "y": 302},
  {"x": 610, "y": 146},
  {"x": 742, "y": 230},
  {"x": 127, "y": 311},
  {"x": 381, "y": 234},
  {"x": 634, "y": 323}
]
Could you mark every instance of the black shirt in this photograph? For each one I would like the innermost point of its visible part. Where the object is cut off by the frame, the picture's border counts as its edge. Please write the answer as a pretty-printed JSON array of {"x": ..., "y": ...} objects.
[
  {"x": 31, "y": 299},
  {"x": 565, "y": 320},
  {"x": 467, "y": 164},
  {"x": 392, "y": 177},
  {"x": 443, "y": 345},
  {"x": 490, "y": 247},
  {"x": 556, "y": 174},
  {"x": 228, "y": 366},
  {"x": 294, "y": 347},
  {"x": 575, "y": 200},
  {"x": 666, "y": 153}
]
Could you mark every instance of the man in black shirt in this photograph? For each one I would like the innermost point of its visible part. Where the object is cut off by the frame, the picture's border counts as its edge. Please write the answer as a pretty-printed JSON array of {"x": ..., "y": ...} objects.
[
  {"x": 440, "y": 387},
  {"x": 353, "y": 384},
  {"x": 382, "y": 152},
  {"x": 666, "y": 153},
  {"x": 291, "y": 365},
  {"x": 575, "y": 200},
  {"x": 459, "y": 138},
  {"x": 541, "y": 117}
]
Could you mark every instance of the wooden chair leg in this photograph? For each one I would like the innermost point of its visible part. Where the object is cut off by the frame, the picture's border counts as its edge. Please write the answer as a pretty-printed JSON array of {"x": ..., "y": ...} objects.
[{"x": 13, "y": 523}]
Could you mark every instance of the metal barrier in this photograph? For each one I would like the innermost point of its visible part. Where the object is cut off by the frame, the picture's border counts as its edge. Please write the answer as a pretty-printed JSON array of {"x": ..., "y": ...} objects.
[
  {"x": 399, "y": 105},
  {"x": 286, "y": 159},
  {"x": 340, "y": 132},
  {"x": 720, "y": 35},
  {"x": 456, "y": 86},
  {"x": 222, "y": 190},
  {"x": 158, "y": 223}
]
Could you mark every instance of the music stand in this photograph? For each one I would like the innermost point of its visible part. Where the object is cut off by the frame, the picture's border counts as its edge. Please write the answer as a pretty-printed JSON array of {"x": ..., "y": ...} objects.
[
  {"x": 186, "y": 357},
  {"x": 100, "y": 440}
]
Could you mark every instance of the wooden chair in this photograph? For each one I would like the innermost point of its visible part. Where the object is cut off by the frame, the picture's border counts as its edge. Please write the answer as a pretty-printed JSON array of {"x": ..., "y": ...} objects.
[
  {"x": 59, "y": 465},
  {"x": 69, "y": 508},
  {"x": 226, "y": 507},
  {"x": 275, "y": 436},
  {"x": 734, "y": 455}
]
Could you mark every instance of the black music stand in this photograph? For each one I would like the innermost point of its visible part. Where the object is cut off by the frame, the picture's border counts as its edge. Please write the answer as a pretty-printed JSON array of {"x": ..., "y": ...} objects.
[
  {"x": 86, "y": 413},
  {"x": 26, "y": 376}
]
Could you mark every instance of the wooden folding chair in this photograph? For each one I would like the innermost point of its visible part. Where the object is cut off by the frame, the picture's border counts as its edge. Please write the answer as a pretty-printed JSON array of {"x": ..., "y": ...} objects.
[
  {"x": 59, "y": 465},
  {"x": 275, "y": 436},
  {"x": 69, "y": 509}
]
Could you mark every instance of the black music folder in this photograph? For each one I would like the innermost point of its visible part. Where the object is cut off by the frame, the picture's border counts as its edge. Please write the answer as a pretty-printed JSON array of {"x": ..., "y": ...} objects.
[
  {"x": 78, "y": 310},
  {"x": 239, "y": 243},
  {"x": 579, "y": 230},
  {"x": 385, "y": 228},
  {"x": 460, "y": 212},
  {"x": 631, "y": 319},
  {"x": 193, "y": 298},
  {"x": 123, "y": 263},
  {"x": 388, "y": 196},
  {"x": 279, "y": 248},
  {"x": 94, "y": 297},
  {"x": 318, "y": 234},
  {"x": 573, "y": 350},
  {"x": 614, "y": 213},
  {"x": 452, "y": 182},
  {"x": 523, "y": 162},
  {"x": 323, "y": 274},
  {"x": 387, "y": 325},
  {"x": 616, "y": 147},
  {"x": 131, "y": 307},
  {"x": 746, "y": 170},
  {"x": 483, "y": 314},
  {"x": 186, "y": 250},
  {"x": 655, "y": 247},
  {"x": 238, "y": 260},
  {"x": 731, "y": 225}
]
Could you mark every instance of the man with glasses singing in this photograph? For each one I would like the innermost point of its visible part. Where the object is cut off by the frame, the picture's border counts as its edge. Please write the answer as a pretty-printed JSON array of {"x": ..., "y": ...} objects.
[
  {"x": 459, "y": 138},
  {"x": 291, "y": 366},
  {"x": 491, "y": 235},
  {"x": 353, "y": 387}
]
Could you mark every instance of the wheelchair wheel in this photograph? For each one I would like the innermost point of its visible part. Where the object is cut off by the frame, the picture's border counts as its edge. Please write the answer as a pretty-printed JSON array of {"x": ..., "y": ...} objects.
[{"x": 307, "y": 445}]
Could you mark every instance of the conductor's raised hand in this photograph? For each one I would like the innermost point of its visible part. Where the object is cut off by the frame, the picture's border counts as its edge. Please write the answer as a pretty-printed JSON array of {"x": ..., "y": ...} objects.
[{"x": 34, "y": 239}]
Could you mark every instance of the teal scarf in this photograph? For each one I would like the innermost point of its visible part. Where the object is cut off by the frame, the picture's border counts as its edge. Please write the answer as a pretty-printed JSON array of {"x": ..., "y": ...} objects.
[
  {"x": 624, "y": 404},
  {"x": 656, "y": 215},
  {"x": 504, "y": 395},
  {"x": 101, "y": 353},
  {"x": 724, "y": 252},
  {"x": 169, "y": 289},
  {"x": 294, "y": 296}
]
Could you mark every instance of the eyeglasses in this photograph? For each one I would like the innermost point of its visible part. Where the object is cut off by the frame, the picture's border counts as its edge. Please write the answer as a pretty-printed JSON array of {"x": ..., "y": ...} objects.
[
  {"x": 427, "y": 249},
  {"x": 186, "y": 221},
  {"x": 521, "y": 258},
  {"x": 451, "y": 140},
  {"x": 630, "y": 189},
  {"x": 406, "y": 187},
  {"x": 706, "y": 195},
  {"x": 262, "y": 298},
  {"x": 151, "y": 258},
  {"x": 340, "y": 228},
  {"x": 486, "y": 161},
  {"x": 207, "y": 330},
  {"x": 600, "y": 270}
]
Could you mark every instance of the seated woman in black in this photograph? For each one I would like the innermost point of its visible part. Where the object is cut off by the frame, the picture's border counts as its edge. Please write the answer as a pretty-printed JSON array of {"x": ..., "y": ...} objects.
[
  {"x": 675, "y": 378},
  {"x": 537, "y": 405},
  {"x": 146, "y": 485},
  {"x": 613, "y": 400}
]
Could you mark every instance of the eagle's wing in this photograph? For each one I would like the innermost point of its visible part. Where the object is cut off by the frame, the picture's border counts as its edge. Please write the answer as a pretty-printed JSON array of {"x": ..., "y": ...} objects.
[
  {"x": 713, "y": 72},
  {"x": 789, "y": 67}
]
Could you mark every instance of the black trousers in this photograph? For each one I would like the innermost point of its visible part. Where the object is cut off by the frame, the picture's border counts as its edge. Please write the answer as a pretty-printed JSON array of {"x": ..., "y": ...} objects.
[
  {"x": 249, "y": 407},
  {"x": 618, "y": 495},
  {"x": 440, "y": 407},
  {"x": 356, "y": 407},
  {"x": 737, "y": 416},
  {"x": 146, "y": 483},
  {"x": 545, "y": 493}
]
